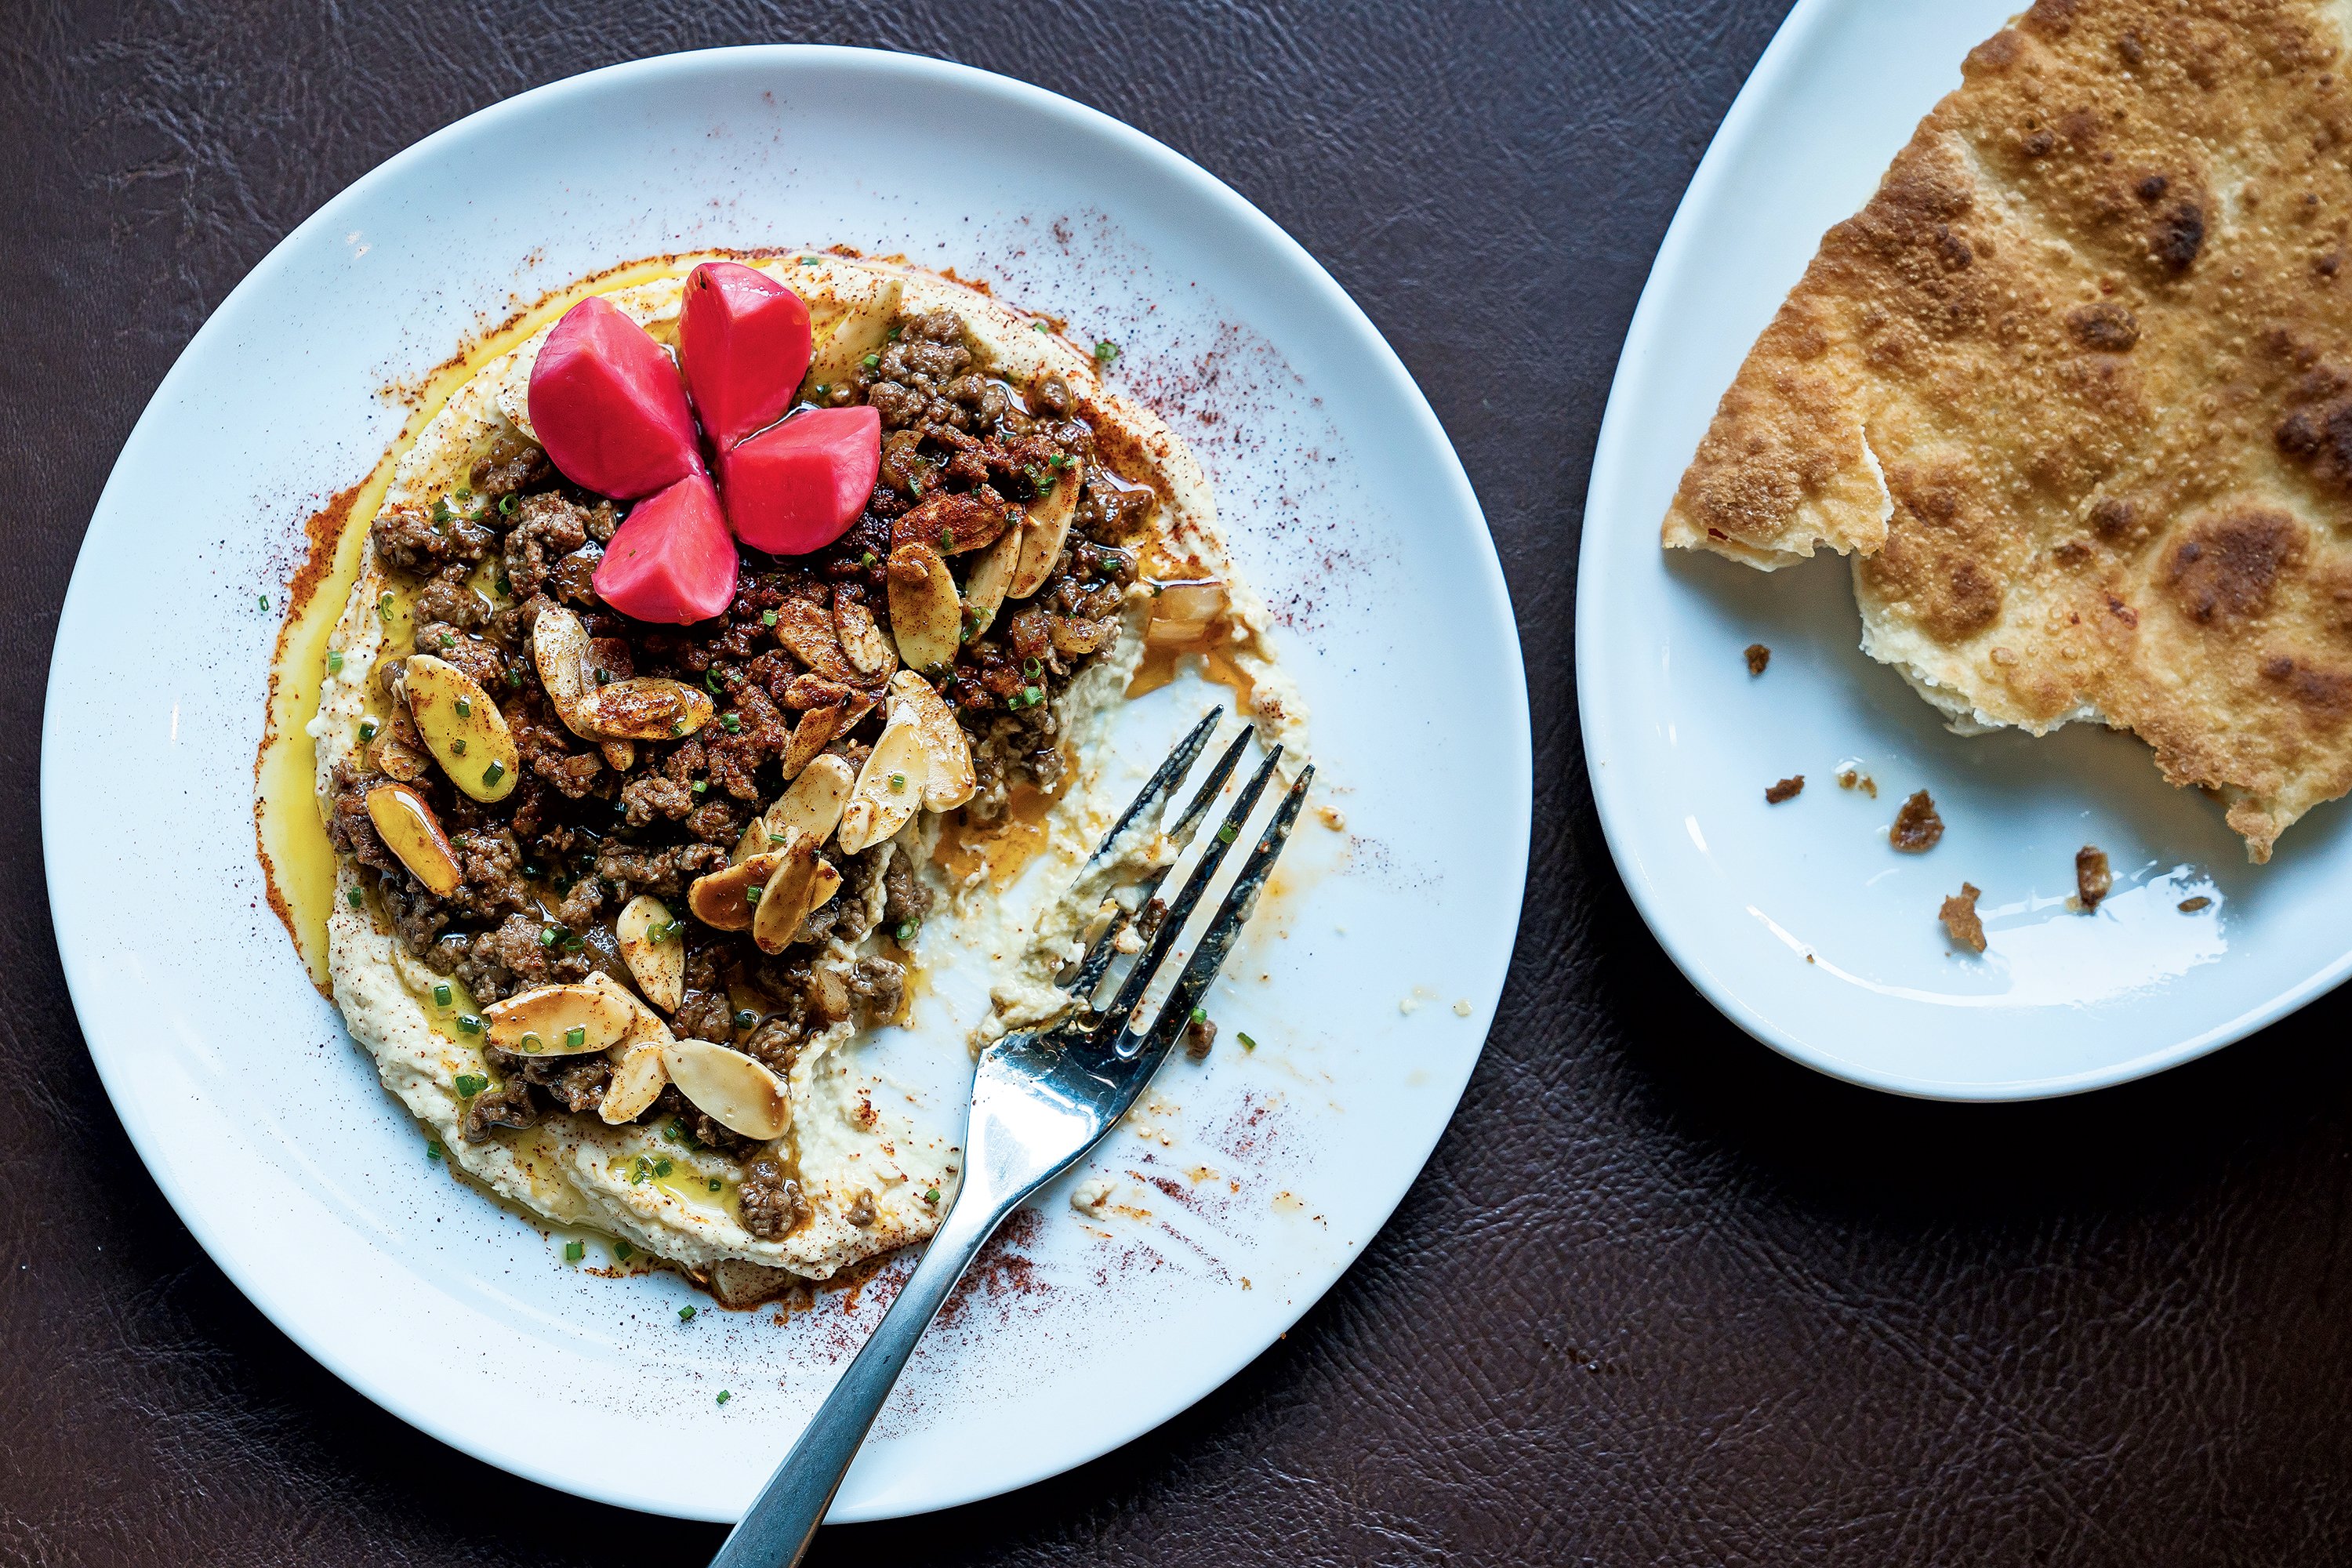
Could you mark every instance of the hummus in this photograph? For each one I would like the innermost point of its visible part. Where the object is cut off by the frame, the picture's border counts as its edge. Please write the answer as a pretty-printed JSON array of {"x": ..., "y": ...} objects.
[{"x": 862, "y": 1180}]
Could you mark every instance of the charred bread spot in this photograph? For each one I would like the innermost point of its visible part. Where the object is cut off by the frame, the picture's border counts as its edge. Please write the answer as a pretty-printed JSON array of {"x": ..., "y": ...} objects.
[
  {"x": 2324, "y": 695},
  {"x": 2104, "y": 328},
  {"x": 2176, "y": 236},
  {"x": 2226, "y": 570}
]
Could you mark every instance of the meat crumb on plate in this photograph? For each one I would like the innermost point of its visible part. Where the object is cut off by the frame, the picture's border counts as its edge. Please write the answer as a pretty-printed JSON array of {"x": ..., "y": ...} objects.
[
  {"x": 1959, "y": 916},
  {"x": 1759, "y": 655},
  {"x": 2093, "y": 880},
  {"x": 2190, "y": 906},
  {"x": 1786, "y": 789}
]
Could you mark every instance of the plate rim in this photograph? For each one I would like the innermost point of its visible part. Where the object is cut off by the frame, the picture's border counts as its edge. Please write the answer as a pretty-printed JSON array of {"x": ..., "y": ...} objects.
[
  {"x": 923, "y": 72},
  {"x": 1646, "y": 337}
]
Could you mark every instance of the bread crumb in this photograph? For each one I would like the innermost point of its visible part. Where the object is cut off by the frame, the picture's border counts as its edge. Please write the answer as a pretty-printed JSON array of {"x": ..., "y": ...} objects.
[
  {"x": 1917, "y": 827},
  {"x": 1759, "y": 655},
  {"x": 1786, "y": 789},
  {"x": 1959, "y": 916},
  {"x": 1089, "y": 1196},
  {"x": 2190, "y": 906},
  {"x": 2093, "y": 880},
  {"x": 1851, "y": 776}
]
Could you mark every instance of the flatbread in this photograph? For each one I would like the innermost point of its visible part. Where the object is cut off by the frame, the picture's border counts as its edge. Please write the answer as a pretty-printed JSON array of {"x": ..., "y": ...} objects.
[{"x": 2075, "y": 390}]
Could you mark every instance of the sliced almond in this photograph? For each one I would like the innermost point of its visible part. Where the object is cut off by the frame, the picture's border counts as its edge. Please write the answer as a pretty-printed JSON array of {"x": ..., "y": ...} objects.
[
  {"x": 784, "y": 902},
  {"x": 460, "y": 726},
  {"x": 1076, "y": 634},
  {"x": 653, "y": 944},
  {"x": 732, "y": 1089},
  {"x": 1042, "y": 533},
  {"x": 948, "y": 780},
  {"x": 823, "y": 885},
  {"x": 649, "y": 708},
  {"x": 409, "y": 829},
  {"x": 560, "y": 651},
  {"x": 861, "y": 640},
  {"x": 925, "y": 613},
  {"x": 815, "y": 801},
  {"x": 638, "y": 1071},
  {"x": 619, "y": 755},
  {"x": 890, "y": 788},
  {"x": 558, "y": 1020},
  {"x": 806, "y": 628},
  {"x": 811, "y": 735},
  {"x": 756, "y": 841},
  {"x": 721, "y": 899},
  {"x": 984, "y": 585}
]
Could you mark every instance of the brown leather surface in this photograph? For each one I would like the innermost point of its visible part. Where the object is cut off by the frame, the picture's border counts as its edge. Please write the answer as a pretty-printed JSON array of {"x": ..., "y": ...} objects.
[{"x": 1661, "y": 1297}]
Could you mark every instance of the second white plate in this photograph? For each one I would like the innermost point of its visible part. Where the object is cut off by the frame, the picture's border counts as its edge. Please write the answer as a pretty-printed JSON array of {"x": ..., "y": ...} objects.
[{"x": 1798, "y": 920}]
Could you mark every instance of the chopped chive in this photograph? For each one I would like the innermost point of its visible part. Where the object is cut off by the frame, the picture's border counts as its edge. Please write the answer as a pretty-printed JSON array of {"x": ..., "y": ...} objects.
[
  {"x": 806, "y": 261},
  {"x": 465, "y": 494},
  {"x": 1036, "y": 326},
  {"x": 576, "y": 1035},
  {"x": 1200, "y": 1014},
  {"x": 442, "y": 996},
  {"x": 384, "y": 607},
  {"x": 1247, "y": 1044},
  {"x": 897, "y": 780},
  {"x": 264, "y": 601},
  {"x": 699, "y": 786},
  {"x": 724, "y": 1396},
  {"x": 532, "y": 1045},
  {"x": 571, "y": 944},
  {"x": 367, "y": 729},
  {"x": 730, "y": 723},
  {"x": 871, "y": 360},
  {"x": 622, "y": 1250},
  {"x": 465, "y": 708},
  {"x": 1227, "y": 833},
  {"x": 514, "y": 674},
  {"x": 468, "y": 1025},
  {"x": 821, "y": 389},
  {"x": 751, "y": 896},
  {"x": 433, "y": 1149},
  {"x": 1033, "y": 695},
  {"x": 470, "y": 1084},
  {"x": 494, "y": 773},
  {"x": 746, "y": 1018},
  {"x": 574, "y": 1251},
  {"x": 663, "y": 1167},
  {"x": 714, "y": 1183},
  {"x": 1032, "y": 669},
  {"x": 931, "y": 1195},
  {"x": 865, "y": 558},
  {"x": 334, "y": 661},
  {"x": 1105, "y": 350},
  {"x": 457, "y": 746},
  {"x": 906, "y": 931},
  {"x": 506, "y": 509},
  {"x": 670, "y": 1134},
  {"x": 686, "y": 1314},
  {"x": 767, "y": 618},
  {"x": 547, "y": 937},
  {"x": 358, "y": 898}
]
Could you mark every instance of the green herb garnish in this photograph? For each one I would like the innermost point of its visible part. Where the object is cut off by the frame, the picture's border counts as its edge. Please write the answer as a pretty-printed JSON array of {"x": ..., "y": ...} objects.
[
  {"x": 334, "y": 661},
  {"x": 1247, "y": 1044},
  {"x": 442, "y": 996},
  {"x": 686, "y": 1314},
  {"x": 468, "y": 1025},
  {"x": 470, "y": 1084},
  {"x": 574, "y": 1251},
  {"x": 622, "y": 1250},
  {"x": 358, "y": 898},
  {"x": 495, "y": 772},
  {"x": 576, "y": 1037}
]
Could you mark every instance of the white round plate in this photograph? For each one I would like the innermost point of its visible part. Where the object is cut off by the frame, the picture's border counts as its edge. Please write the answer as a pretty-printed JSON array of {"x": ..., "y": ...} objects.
[
  {"x": 1798, "y": 920},
  {"x": 1253, "y": 1180}
]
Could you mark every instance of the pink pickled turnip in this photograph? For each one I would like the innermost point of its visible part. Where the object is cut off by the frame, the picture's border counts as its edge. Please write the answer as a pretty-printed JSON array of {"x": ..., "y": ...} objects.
[
  {"x": 673, "y": 560},
  {"x": 798, "y": 486},
  {"x": 743, "y": 343},
  {"x": 608, "y": 406}
]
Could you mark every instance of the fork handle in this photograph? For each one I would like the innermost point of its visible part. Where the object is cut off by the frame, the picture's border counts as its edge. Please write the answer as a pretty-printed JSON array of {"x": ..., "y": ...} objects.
[{"x": 782, "y": 1521}]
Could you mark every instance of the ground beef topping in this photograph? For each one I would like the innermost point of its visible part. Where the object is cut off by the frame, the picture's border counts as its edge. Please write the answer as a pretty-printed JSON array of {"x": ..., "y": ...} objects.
[
  {"x": 1917, "y": 827},
  {"x": 588, "y": 826}
]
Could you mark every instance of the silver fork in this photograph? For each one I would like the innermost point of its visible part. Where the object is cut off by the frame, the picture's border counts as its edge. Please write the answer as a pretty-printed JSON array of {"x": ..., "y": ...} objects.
[{"x": 1041, "y": 1098}]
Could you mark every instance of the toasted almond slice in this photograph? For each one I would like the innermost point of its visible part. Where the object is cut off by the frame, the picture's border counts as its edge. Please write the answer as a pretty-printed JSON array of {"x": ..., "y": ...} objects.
[
  {"x": 784, "y": 903},
  {"x": 721, "y": 900},
  {"x": 398, "y": 751},
  {"x": 823, "y": 885},
  {"x": 806, "y": 628},
  {"x": 558, "y": 1020},
  {"x": 636, "y": 1082},
  {"x": 948, "y": 780},
  {"x": 653, "y": 944},
  {"x": 813, "y": 734},
  {"x": 861, "y": 640},
  {"x": 890, "y": 788},
  {"x": 410, "y": 830},
  {"x": 756, "y": 841},
  {"x": 648, "y": 708},
  {"x": 460, "y": 726},
  {"x": 925, "y": 613},
  {"x": 560, "y": 651},
  {"x": 732, "y": 1089},
  {"x": 638, "y": 1071},
  {"x": 619, "y": 755},
  {"x": 1041, "y": 535},
  {"x": 814, "y": 801},
  {"x": 984, "y": 585}
]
